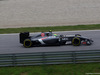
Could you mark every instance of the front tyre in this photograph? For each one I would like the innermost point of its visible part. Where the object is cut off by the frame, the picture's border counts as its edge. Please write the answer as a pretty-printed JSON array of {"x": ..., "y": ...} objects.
[
  {"x": 76, "y": 41},
  {"x": 27, "y": 43}
]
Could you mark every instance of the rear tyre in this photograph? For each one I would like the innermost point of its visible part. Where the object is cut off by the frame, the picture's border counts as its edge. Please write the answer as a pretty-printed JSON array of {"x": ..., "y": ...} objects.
[
  {"x": 27, "y": 43},
  {"x": 76, "y": 41}
]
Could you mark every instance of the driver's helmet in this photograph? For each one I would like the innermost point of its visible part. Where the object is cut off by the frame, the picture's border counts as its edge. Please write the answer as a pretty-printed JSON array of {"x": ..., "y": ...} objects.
[
  {"x": 42, "y": 34},
  {"x": 50, "y": 30},
  {"x": 55, "y": 34}
]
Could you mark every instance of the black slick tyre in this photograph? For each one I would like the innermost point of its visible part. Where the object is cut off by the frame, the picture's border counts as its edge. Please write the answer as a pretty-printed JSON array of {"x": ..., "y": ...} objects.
[
  {"x": 76, "y": 41},
  {"x": 27, "y": 43}
]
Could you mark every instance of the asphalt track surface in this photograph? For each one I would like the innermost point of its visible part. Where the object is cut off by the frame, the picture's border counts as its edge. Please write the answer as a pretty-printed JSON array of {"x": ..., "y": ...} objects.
[
  {"x": 36, "y": 13},
  {"x": 9, "y": 43}
]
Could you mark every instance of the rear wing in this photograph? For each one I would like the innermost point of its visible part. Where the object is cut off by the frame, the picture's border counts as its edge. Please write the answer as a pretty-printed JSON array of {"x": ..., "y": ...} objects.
[{"x": 23, "y": 36}]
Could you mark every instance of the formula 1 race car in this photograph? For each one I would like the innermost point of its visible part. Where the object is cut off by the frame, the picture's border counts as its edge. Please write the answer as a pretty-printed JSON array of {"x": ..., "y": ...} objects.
[{"x": 48, "y": 38}]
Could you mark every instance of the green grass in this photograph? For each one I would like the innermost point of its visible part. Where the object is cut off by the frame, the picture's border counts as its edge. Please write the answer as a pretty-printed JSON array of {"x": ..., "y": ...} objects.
[
  {"x": 53, "y": 28},
  {"x": 66, "y": 69}
]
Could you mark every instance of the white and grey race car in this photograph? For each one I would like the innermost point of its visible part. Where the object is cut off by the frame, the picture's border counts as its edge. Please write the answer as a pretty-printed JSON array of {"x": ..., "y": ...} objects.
[{"x": 48, "y": 38}]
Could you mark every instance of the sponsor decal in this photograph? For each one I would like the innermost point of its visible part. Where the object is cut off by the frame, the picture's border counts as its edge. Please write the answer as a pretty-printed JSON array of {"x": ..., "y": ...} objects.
[
  {"x": 84, "y": 42},
  {"x": 43, "y": 38},
  {"x": 41, "y": 41},
  {"x": 64, "y": 38}
]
